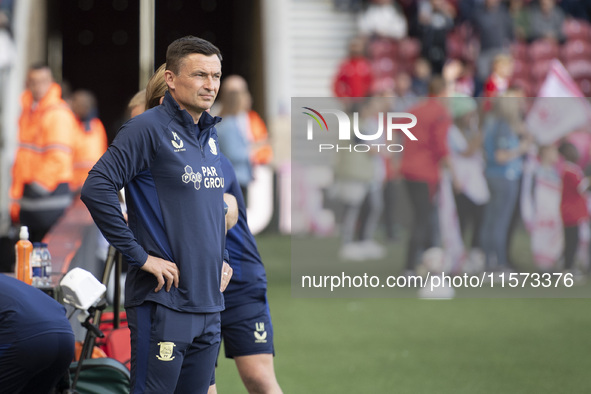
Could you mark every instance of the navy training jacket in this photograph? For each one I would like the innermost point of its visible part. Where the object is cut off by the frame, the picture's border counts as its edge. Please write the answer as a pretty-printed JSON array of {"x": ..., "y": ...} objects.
[
  {"x": 26, "y": 312},
  {"x": 174, "y": 184},
  {"x": 249, "y": 280}
]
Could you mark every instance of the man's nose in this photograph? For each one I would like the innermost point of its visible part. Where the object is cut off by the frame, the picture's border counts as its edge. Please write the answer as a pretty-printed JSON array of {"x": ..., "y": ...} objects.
[{"x": 209, "y": 83}]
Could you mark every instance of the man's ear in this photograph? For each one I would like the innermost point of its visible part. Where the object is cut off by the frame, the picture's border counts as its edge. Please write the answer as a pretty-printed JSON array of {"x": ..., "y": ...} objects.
[{"x": 169, "y": 78}]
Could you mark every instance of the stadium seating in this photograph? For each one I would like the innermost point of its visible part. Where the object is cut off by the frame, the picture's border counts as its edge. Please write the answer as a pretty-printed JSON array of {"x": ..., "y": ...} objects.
[
  {"x": 575, "y": 29},
  {"x": 409, "y": 49},
  {"x": 383, "y": 67},
  {"x": 389, "y": 56},
  {"x": 543, "y": 50},
  {"x": 519, "y": 50},
  {"x": 383, "y": 84},
  {"x": 539, "y": 69},
  {"x": 521, "y": 69},
  {"x": 382, "y": 47},
  {"x": 575, "y": 50},
  {"x": 532, "y": 60},
  {"x": 585, "y": 85},
  {"x": 462, "y": 43},
  {"x": 579, "y": 69}
]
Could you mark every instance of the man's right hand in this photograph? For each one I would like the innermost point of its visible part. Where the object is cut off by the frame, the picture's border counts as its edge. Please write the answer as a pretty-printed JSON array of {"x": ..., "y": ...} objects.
[{"x": 164, "y": 271}]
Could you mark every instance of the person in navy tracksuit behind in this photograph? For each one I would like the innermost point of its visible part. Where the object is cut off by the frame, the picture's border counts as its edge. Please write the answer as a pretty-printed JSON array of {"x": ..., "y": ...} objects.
[
  {"x": 247, "y": 330},
  {"x": 168, "y": 160},
  {"x": 36, "y": 339}
]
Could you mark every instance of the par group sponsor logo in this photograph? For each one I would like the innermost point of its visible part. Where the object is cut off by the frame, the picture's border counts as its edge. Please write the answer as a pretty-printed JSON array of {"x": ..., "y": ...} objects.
[
  {"x": 208, "y": 176},
  {"x": 352, "y": 139}
]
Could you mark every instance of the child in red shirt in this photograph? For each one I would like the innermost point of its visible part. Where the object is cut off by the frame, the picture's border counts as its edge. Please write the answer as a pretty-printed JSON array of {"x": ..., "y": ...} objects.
[
  {"x": 573, "y": 204},
  {"x": 498, "y": 81}
]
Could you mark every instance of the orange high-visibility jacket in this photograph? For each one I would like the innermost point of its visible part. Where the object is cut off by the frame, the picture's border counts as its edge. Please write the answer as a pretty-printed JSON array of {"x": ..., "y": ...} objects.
[
  {"x": 262, "y": 152},
  {"x": 47, "y": 135},
  {"x": 91, "y": 143}
]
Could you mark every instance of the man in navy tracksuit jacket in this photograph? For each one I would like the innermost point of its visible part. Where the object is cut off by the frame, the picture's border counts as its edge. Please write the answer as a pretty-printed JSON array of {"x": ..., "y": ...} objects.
[{"x": 169, "y": 162}]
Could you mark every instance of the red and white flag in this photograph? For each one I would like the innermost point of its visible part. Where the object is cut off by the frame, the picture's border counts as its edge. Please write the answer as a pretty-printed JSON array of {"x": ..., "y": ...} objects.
[{"x": 560, "y": 107}]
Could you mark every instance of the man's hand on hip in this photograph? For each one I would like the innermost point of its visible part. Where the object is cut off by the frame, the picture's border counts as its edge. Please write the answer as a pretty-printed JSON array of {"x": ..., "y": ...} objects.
[
  {"x": 226, "y": 276},
  {"x": 164, "y": 271}
]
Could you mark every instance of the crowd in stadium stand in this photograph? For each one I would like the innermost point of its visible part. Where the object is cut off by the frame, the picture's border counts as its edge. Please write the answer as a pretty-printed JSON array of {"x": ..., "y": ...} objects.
[
  {"x": 460, "y": 49},
  {"x": 396, "y": 37}
]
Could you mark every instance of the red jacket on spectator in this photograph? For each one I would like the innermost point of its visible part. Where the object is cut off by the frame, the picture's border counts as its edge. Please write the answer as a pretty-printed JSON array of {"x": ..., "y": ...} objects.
[
  {"x": 573, "y": 205},
  {"x": 421, "y": 158},
  {"x": 354, "y": 78}
]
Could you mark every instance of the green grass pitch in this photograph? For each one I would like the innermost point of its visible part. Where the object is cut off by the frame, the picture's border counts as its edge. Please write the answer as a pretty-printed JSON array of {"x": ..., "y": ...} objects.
[{"x": 469, "y": 345}]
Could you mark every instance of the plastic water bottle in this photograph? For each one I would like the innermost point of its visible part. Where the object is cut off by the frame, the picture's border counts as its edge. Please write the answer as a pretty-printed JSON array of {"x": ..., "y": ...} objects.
[
  {"x": 46, "y": 264},
  {"x": 37, "y": 264},
  {"x": 23, "y": 250}
]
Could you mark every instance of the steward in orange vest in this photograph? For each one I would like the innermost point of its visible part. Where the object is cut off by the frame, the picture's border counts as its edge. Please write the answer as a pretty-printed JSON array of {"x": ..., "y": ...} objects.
[
  {"x": 91, "y": 141},
  {"x": 261, "y": 151},
  {"x": 43, "y": 167}
]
